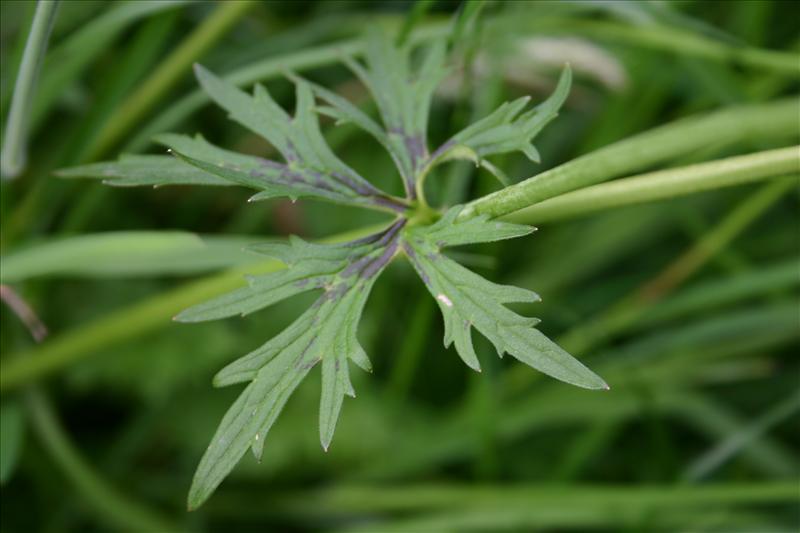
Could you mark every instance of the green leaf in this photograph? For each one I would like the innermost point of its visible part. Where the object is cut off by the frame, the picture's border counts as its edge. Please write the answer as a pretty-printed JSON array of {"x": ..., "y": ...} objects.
[
  {"x": 12, "y": 435},
  {"x": 311, "y": 169},
  {"x": 403, "y": 95},
  {"x": 319, "y": 267},
  {"x": 468, "y": 300},
  {"x": 325, "y": 333},
  {"x": 344, "y": 273},
  {"x": 507, "y": 129},
  {"x": 140, "y": 170}
]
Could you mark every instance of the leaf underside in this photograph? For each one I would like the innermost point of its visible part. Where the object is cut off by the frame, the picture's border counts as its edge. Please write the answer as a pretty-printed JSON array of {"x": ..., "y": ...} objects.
[{"x": 403, "y": 85}]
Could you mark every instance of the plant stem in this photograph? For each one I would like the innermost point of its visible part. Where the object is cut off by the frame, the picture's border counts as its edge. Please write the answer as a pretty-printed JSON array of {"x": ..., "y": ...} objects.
[
  {"x": 13, "y": 157},
  {"x": 114, "y": 508},
  {"x": 664, "y": 184},
  {"x": 726, "y": 127},
  {"x": 128, "y": 323},
  {"x": 167, "y": 74}
]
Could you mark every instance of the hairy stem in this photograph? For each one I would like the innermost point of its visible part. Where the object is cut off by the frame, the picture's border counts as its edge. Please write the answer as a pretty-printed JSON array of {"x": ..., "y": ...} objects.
[
  {"x": 664, "y": 184},
  {"x": 13, "y": 157},
  {"x": 726, "y": 127}
]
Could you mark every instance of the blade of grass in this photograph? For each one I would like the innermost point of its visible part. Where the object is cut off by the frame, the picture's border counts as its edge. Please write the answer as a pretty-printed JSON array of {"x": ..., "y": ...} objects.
[
  {"x": 730, "y": 126},
  {"x": 12, "y": 58},
  {"x": 763, "y": 280},
  {"x": 12, "y": 437},
  {"x": 467, "y": 15},
  {"x": 138, "y": 58},
  {"x": 177, "y": 64},
  {"x": 417, "y": 13},
  {"x": 588, "y": 444},
  {"x": 128, "y": 113},
  {"x": 65, "y": 63},
  {"x": 411, "y": 349},
  {"x": 113, "y": 507},
  {"x": 720, "y": 424},
  {"x": 606, "y": 498},
  {"x": 626, "y": 311},
  {"x": 128, "y": 253},
  {"x": 13, "y": 157},
  {"x": 453, "y": 437},
  {"x": 664, "y": 184},
  {"x": 710, "y": 461}
]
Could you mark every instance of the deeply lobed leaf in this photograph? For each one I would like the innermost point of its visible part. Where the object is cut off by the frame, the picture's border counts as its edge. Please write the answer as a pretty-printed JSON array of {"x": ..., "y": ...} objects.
[
  {"x": 507, "y": 129},
  {"x": 325, "y": 333},
  {"x": 142, "y": 170},
  {"x": 403, "y": 95},
  {"x": 467, "y": 300},
  {"x": 310, "y": 169}
]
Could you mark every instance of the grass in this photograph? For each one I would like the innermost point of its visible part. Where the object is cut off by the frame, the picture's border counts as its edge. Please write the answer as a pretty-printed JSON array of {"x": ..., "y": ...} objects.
[{"x": 666, "y": 257}]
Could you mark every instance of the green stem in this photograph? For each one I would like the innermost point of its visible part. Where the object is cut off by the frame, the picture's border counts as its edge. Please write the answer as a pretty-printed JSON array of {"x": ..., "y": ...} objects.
[
  {"x": 150, "y": 314},
  {"x": 664, "y": 184},
  {"x": 113, "y": 507},
  {"x": 764, "y": 121},
  {"x": 13, "y": 157},
  {"x": 167, "y": 74}
]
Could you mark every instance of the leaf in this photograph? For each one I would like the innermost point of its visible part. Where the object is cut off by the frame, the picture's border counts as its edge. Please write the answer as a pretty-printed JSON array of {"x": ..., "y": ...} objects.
[
  {"x": 140, "y": 170},
  {"x": 310, "y": 170},
  {"x": 325, "y": 333},
  {"x": 507, "y": 129},
  {"x": 468, "y": 300},
  {"x": 403, "y": 95},
  {"x": 344, "y": 273}
]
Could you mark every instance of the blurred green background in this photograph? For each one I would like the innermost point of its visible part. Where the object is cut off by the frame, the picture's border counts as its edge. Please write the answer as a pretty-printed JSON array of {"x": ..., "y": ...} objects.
[{"x": 688, "y": 308}]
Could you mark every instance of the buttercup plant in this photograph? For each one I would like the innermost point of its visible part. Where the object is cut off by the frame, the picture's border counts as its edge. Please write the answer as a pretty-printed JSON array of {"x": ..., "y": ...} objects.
[{"x": 325, "y": 333}]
